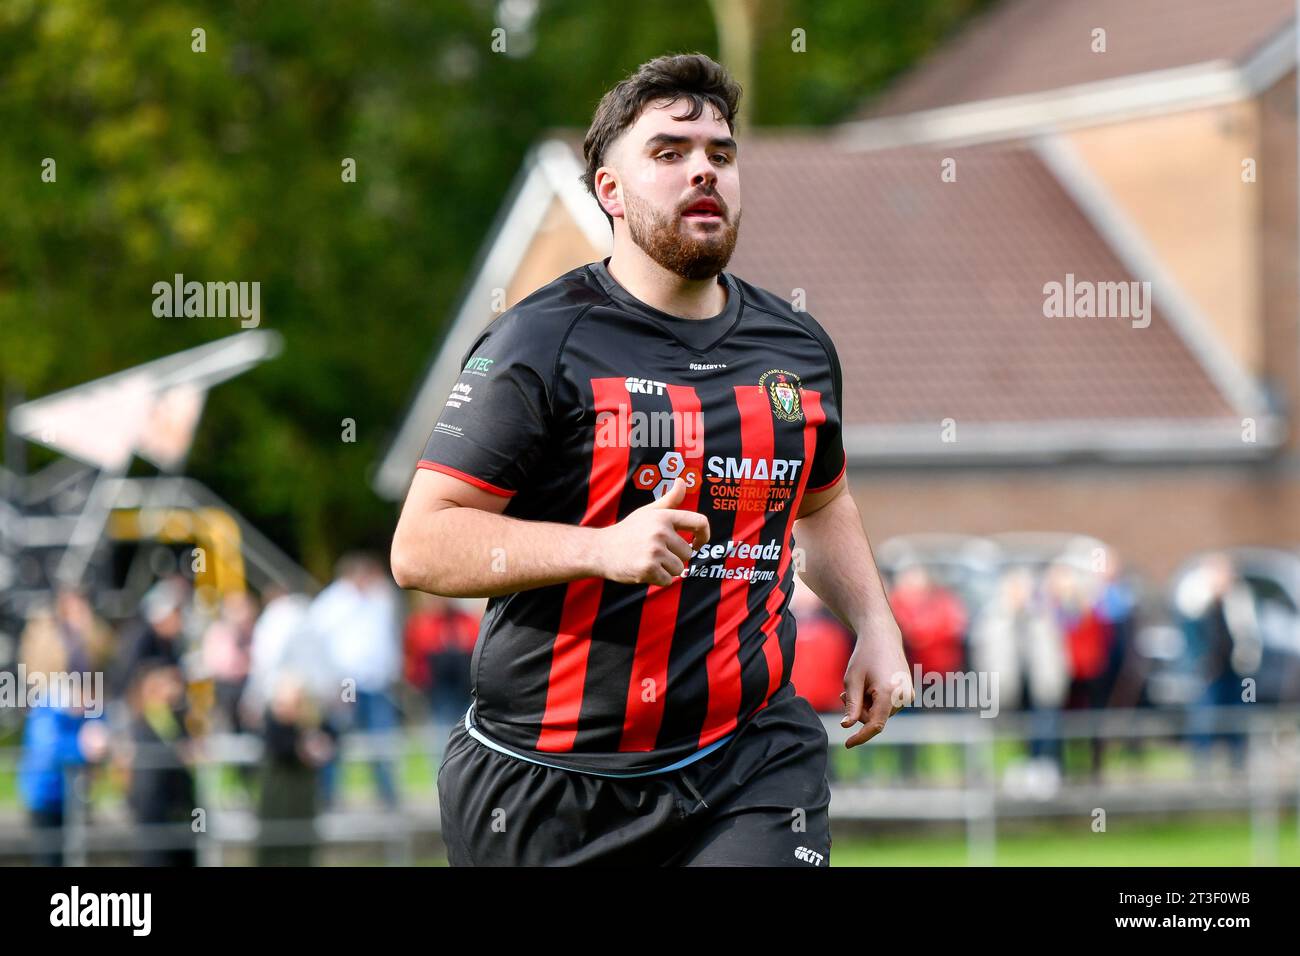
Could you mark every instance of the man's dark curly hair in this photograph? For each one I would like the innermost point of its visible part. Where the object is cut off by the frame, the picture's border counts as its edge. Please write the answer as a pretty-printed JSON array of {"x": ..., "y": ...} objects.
[{"x": 691, "y": 76}]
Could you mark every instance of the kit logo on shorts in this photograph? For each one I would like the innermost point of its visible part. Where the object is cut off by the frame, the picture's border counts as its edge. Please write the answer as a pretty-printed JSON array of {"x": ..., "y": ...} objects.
[
  {"x": 808, "y": 856},
  {"x": 784, "y": 390}
]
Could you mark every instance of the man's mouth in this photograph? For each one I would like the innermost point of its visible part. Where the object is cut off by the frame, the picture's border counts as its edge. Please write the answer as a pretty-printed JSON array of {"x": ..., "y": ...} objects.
[{"x": 704, "y": 209}]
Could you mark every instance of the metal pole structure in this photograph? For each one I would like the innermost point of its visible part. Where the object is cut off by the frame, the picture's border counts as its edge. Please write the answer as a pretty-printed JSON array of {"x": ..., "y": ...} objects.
[
  {"x": 15, "y": 449},
  {"x": 164, "y": 493},
  {"x": 89, "y": 529}
]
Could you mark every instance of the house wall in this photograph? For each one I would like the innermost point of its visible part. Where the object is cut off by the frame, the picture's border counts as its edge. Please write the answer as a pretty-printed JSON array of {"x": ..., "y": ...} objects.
[
  {"x": 559, "y": 246},
  {"x": 1278, "y": 248},
  {"x": 1153, "y": 518},
  {"x": 1179, "y": 179}
]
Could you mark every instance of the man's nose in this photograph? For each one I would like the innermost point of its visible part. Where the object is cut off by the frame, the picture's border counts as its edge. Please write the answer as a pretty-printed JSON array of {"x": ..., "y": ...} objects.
[{"x": 703, "y": 174}]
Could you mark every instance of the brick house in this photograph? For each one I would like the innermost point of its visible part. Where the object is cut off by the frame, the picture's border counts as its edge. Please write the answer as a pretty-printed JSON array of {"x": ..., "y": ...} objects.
[{"x": 1156, "y": 158}]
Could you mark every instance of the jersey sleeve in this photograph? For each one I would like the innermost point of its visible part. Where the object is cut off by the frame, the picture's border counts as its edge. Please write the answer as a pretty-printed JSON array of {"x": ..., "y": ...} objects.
[
  {"x": 829, "y": 459},
  {"x": 496, "y": 421}
]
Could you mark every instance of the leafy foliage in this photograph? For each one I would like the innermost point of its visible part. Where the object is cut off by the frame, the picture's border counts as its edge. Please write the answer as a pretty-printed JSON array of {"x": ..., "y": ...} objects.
[{"x": 226, "y": 165}]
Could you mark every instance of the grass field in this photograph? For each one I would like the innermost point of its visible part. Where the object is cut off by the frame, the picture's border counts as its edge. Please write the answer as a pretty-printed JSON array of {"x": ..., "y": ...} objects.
[
  {"x": 1129, "y": 841},
  {"x": 1220, "y": 840}
]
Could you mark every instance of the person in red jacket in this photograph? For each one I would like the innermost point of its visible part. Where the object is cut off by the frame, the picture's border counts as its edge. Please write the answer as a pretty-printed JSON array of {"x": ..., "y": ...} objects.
[
  {"x": 1073, "y": 594},
  {"x": 932, "y": 619},
  {"x": 821, "y": 652},
  {"x": 439, "y": 645}
]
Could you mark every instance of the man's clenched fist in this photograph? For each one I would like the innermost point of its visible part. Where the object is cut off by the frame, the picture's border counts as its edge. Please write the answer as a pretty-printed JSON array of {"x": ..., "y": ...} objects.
[{"x": 645, "y": 547}]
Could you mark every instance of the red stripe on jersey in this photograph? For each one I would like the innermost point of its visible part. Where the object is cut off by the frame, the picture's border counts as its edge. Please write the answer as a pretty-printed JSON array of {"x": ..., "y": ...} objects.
[
  {"x": 605, "y": 486},
  {"x": 723, "y": 663},
  {"x": 813, "y": 417},
  {"x": 834, "y": 481},
  {"x": 464, "y": 476},
  {"x": 642, "y": 718}
]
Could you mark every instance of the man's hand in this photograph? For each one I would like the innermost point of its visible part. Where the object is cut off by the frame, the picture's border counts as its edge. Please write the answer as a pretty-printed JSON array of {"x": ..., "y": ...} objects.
[
  {"x": 645, "y": 547},
  {"x": 877, "y": 684}
]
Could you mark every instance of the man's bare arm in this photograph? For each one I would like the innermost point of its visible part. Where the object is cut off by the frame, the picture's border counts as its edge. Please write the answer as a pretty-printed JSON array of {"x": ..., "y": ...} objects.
[
  {"x": 841, "y": 570},
  {"x": 452, "y": 539}
]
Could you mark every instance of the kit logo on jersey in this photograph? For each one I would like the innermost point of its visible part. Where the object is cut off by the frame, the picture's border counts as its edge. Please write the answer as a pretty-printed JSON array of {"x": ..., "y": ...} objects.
[
  {"x": 643, "y": 386},
  {"x": 785, "y": 392}
]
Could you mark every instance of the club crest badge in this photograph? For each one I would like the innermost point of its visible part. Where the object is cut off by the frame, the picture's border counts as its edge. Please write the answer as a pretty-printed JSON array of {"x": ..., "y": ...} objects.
[{"x": 784, "y": 390}]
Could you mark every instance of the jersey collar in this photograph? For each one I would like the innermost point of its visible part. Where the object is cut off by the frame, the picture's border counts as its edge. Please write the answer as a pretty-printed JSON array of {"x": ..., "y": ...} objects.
[{"x": 697, "y": 335}]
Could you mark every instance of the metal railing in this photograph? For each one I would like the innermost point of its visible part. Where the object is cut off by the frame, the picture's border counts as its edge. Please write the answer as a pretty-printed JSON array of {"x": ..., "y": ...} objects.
[
  {"x": 1266, "y": 738},
  {"x": 1267, "y": 780}
]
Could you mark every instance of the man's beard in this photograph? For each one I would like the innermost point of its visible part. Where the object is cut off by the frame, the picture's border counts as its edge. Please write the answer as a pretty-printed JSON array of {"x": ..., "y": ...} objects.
[{"x": 661, "y": 237}]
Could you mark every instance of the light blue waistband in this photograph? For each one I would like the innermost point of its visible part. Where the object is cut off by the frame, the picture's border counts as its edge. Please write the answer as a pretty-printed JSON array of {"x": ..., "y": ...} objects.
[{"x": 488, "y": 742}]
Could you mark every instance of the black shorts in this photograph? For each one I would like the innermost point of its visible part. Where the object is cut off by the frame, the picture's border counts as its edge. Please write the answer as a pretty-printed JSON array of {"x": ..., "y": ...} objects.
[{"x": 762, "y": 799}]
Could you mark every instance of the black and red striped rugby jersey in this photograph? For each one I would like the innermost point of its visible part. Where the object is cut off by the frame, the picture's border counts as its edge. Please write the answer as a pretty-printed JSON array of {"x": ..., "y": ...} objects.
[{"x": 580, "y": 404}]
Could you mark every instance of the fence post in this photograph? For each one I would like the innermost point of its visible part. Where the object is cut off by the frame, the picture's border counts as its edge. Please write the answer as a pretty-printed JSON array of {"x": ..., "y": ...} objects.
[
  {"x": 207, "y": 776},
  {"x": 980, "y": 793},
  {"x": 1263, "y": 795},
  {"x": 74, "y": 824}
]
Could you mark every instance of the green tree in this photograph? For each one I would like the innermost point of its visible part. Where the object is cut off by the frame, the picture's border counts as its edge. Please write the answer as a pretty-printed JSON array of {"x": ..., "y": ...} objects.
[{"x": 226, "y": 164}]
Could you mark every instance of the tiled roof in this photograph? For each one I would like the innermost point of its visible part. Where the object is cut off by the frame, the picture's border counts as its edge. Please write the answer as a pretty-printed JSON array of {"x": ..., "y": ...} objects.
[
  {"x": 1030, "y": 46},
  {"x": 933, "y": 291}
]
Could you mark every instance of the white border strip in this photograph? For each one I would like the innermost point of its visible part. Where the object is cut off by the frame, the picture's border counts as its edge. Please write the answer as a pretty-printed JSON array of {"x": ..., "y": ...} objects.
[
  {"x": 563, "y": 169},
  {"x": 1127, "y": 97},
  {"x": 1140, "y": 440},
  {"x": 549, "y": 170}
]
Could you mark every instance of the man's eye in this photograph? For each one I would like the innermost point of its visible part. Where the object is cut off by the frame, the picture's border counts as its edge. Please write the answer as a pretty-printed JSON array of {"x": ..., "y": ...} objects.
[
  {"x": 667, "y": 152},
  {"x": 722, "y": 156}
]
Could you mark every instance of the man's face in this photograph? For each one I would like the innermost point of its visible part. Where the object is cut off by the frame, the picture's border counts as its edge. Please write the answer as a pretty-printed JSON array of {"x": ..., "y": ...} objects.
[{"x": 677, "y": 186}]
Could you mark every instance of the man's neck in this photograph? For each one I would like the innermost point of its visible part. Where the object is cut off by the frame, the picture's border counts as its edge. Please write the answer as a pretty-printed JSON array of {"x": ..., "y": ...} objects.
[{"x": 666, "y": 291}]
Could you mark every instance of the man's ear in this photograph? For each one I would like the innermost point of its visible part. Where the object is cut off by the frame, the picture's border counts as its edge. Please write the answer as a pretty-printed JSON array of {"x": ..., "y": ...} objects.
[{"x": 608, "y": 191}]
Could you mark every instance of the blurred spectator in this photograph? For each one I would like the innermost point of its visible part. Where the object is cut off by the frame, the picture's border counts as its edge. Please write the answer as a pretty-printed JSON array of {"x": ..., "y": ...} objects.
[
  {"x": 821, "y": 656},
  {"x": 1017, "y": 637},
  {"x": 439, "y": 646},
  {"x": 282, "y": 644},
  {"x": 298, "y": 742},
  {"x": 55, "y": 740},
  {"x": 158, "y": 633},
  {"x": 932, "y": 619},
  {"x": 1117, "y": 609},
  {"x": 821, "y": 652},
  {"x": 1218, "y": 616},
  {"x": 227, "y": 646},
  {"x": 89, "y": 640},
  {"x": 356, "y": 621},
  {"x": 933, "y": 622},
  {"x": 1072, "y": 595},
  {"x": 161, "y": 791}
]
